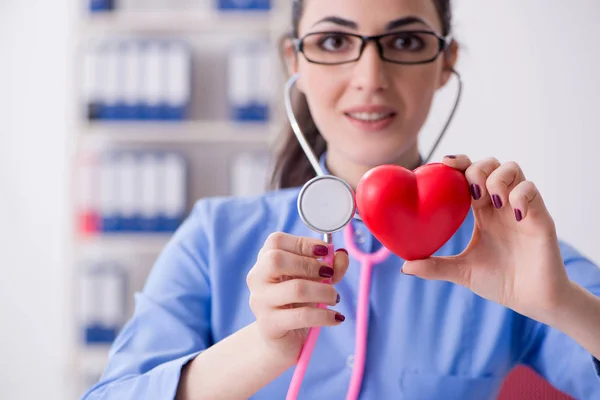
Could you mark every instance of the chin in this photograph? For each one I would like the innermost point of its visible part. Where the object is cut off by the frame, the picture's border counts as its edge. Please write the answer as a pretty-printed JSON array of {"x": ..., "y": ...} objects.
[{"x": 372, "y": 156}]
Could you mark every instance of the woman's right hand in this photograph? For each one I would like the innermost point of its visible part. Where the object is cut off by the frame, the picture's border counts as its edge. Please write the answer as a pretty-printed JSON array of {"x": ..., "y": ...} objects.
[{"x": 285, "y": 288}]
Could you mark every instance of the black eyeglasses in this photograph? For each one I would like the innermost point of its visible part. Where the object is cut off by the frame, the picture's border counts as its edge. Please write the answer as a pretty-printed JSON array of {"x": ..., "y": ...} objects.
[{"x": 401, "y": 47}]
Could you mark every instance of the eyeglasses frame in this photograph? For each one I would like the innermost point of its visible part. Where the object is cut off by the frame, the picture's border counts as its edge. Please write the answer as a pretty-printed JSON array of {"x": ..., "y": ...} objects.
[{"x": 444, "y": 43}]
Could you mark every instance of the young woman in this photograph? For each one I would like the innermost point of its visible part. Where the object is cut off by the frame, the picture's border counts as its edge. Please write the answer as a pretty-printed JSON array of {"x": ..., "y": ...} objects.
[{"x": 226, "y": 309}]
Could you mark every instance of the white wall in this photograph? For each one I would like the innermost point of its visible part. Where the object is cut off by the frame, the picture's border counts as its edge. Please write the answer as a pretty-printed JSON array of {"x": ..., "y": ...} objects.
[
  {"x": 531, "y": 92},
  {"x": 33, "y": 126}
]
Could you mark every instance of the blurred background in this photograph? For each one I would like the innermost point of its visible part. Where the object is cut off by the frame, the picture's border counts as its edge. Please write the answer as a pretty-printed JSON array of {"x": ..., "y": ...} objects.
[{"x": 117, "y": 115}]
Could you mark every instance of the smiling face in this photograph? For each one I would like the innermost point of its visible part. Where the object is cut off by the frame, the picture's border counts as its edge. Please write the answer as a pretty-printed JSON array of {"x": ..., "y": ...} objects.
[{"x": 370, "y": 111}]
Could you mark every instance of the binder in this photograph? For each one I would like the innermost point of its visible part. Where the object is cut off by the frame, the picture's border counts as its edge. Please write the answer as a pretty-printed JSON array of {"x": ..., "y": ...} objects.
[
  {"x": 108, "y": 194},
  {"x": 257, "y": 5},
  {"x": 150, "y": 192},
  {"x": 96, "y": 6},
  {"x": 153, "y": 87},
  {"x": 127, "y": 184},
  {"x": 178, "y": 77},
  {"x": 131, "y": 54},
  {"x": 172, "y": 178}
]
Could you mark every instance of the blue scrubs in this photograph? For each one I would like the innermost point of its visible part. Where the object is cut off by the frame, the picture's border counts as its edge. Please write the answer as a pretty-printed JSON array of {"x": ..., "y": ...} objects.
[{"x": 427, "y": 339}]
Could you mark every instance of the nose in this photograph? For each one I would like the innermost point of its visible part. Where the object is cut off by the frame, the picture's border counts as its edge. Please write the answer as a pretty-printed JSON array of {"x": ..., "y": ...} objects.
[{"x": 369, "y": 71}]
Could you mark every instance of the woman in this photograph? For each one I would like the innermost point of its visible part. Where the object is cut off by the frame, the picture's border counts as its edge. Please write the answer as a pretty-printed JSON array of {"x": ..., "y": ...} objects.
[{"x": 226, "y": 309}]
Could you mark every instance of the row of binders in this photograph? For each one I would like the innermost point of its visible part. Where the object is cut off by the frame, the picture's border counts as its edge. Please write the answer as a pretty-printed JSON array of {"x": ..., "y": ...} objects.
[
  {"x": 130, "y": 79},
  {"x": 261, "y": 5},
  {"x": 104, "y": 287},
  {"x": 250, "y": 74},
  {"x": 131, "y": 191},
  {"x": 137, "y": 80}
]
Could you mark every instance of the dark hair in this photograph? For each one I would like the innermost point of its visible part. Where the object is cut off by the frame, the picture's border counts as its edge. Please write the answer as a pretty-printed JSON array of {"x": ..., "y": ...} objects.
[{"x": 292, "y": 168}]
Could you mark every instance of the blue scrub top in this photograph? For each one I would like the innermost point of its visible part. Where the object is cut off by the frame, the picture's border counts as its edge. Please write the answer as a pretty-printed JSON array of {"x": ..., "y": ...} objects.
[{"x": 427, "y": 339}]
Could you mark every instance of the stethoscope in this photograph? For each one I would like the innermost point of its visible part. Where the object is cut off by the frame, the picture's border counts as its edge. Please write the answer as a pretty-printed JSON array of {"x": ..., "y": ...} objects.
[{"x": 326, "y": 204}]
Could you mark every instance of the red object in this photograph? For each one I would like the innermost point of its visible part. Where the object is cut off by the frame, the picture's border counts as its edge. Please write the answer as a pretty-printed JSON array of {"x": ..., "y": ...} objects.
[
  {"x": 89, "y": 223},
  {"x": 413, "y": 213},
  {"x": 524, "y": 383}
]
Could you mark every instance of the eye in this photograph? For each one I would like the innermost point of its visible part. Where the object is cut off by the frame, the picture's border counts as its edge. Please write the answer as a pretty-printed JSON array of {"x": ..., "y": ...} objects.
[
  {"x": 407, "y": 41},
  {"x": 334, "y": 42}
]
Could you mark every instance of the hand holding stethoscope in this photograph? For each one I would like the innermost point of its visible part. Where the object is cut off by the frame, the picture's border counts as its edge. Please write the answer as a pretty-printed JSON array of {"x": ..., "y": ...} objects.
[{"x": 286, "y": 281}]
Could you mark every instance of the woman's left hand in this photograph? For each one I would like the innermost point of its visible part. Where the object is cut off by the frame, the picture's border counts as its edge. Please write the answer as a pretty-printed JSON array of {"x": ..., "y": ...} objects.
[{"x": 513, "y": 258}]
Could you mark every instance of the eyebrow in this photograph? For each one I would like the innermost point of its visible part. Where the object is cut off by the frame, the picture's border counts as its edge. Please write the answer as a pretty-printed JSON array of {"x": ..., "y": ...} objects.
[{"x": 397, "y": 23}]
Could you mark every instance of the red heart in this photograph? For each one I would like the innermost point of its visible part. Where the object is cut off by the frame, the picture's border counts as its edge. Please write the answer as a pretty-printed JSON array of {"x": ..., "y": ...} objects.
[{"x": 413, "y": 213}]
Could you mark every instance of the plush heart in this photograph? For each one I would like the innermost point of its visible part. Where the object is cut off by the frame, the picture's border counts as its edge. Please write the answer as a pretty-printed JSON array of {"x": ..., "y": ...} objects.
[{"x": 413, "y": 214}]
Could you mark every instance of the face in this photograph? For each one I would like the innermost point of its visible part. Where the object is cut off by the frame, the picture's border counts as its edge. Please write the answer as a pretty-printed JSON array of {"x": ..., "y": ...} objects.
[{"x": 369, "y": 111}]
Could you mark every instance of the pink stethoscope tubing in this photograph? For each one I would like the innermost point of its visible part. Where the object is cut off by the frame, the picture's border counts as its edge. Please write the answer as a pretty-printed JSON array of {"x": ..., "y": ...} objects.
[{"x": 367, "y": 261}]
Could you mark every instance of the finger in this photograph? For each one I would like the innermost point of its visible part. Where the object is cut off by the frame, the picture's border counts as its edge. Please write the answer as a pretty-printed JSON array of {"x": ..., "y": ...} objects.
[
  {"x": 303, "y": 246},
  {"x": 502, "y": 181},
  {"x": 277, "y": 264},
  {"x": 528, "y": 204},
  {"x": 477, "y": 175},
  {"x": 279, "y": 322},
  {"x": 340, "y": 265},
  {"x": 459, "y": 161},
  {"x": 297, "y": 291},
  {"x": 449, "y": 269}
]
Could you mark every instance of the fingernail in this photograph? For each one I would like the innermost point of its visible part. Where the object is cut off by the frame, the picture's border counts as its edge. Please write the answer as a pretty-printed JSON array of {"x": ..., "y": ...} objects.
[
  {"x": 341, "y": 249},
  {"x": 518, "y": 215},
  {"x": 452, "y": 157},
  {"x": 475, "y": 191},
  {"x": 340, "y": 317},
  {"x": 326, "y": 272},
  {"x": 497, "y": 201},
  {"x": 321, "y": 250},
  {"x": 338, "y": 299},
  {"x": 402, "y": 271}
]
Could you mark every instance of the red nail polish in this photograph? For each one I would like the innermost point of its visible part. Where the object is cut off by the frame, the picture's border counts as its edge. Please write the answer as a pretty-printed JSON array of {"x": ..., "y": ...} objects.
[
  {"x": 452, "y": 157},
  {"x": 341, "y": 249},
  {"x": 518, "y": 215},
  {"x": 321, "y": 250},
  {"x": 475, "y": 191},
  {"x": 497, "y": 201},
  {"x": 340, "y": 317},
  {"x": 326, "y": 272}
]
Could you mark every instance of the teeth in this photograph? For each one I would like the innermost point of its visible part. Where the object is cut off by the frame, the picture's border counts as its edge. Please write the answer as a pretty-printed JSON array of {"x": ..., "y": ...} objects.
[{"x": 369, "y": 117}]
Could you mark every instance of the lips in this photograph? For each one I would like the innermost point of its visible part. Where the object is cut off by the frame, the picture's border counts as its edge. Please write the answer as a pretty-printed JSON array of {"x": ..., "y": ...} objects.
[{"x": 371, "y": 118}]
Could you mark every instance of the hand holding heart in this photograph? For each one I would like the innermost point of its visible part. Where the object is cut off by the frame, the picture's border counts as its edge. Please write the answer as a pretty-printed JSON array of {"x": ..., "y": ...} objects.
[{"x": 513, "y": 258}]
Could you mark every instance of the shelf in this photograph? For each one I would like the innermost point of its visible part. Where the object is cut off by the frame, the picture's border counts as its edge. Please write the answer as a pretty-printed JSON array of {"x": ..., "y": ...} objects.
[
  {"x": 130, "y": 243},
  {"x": 182, "y": 21},
  {"x": 181, "y": 132}
]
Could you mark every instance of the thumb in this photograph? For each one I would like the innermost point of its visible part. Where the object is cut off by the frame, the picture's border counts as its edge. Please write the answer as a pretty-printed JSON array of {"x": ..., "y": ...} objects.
[{"x": 450, "y": 269}]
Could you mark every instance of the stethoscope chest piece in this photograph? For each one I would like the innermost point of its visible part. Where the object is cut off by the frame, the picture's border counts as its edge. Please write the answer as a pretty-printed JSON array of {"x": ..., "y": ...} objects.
[{"x": 326, "y": 204}]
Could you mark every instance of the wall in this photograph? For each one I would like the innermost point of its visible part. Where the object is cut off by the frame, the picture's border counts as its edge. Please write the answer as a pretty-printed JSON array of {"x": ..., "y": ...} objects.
[
  {"x": 531, "y": 94},
  {"x": 33, "y": 150}
]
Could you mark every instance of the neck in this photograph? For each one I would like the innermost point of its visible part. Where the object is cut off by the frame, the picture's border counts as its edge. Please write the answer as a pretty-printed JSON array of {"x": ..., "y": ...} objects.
[{"x": 353, "y": 172}]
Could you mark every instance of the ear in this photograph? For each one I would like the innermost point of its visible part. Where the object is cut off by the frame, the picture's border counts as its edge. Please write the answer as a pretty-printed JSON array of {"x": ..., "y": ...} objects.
[
  {"x": 450, "y": 58},
  {"x": 290, "y": 56}
]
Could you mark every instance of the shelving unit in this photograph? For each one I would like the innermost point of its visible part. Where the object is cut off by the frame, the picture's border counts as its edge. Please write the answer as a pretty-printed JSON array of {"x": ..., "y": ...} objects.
[
  {"x": 210, "y": 21},
  {"x": 182, "y": 132},
  {"x": 209, "y": 139},
  {"x": 127, "y": 243}
]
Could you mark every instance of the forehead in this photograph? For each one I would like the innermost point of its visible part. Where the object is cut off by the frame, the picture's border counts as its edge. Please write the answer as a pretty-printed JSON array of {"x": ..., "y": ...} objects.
[{"x": 371, "y": 16}]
